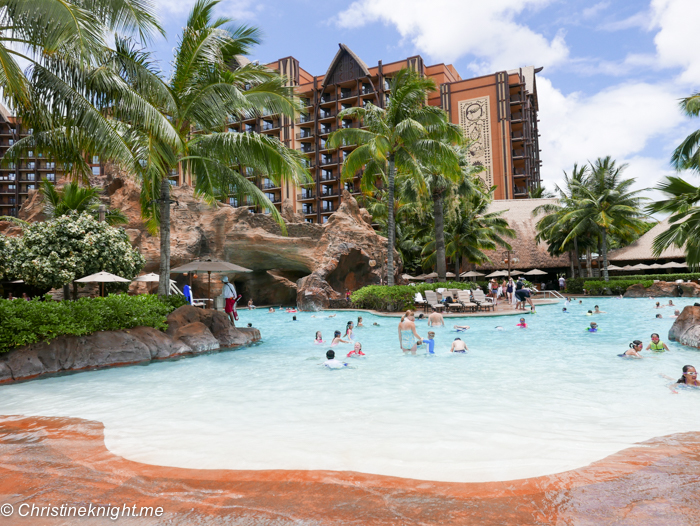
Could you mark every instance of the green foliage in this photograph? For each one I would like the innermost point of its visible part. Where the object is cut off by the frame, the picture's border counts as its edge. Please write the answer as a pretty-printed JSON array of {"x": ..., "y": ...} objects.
[
  {"x": 575, "y": 285},
  {"x": 25, "y": 322},
  {"x": 75, "y": 198},
  {"x": 616, "y": 287},
  {"x": 660, "y": 277},
  {"x": 8, "y": 247},
  {"x": 399, "y": 297},
  {"x": 53, "y": 253}
]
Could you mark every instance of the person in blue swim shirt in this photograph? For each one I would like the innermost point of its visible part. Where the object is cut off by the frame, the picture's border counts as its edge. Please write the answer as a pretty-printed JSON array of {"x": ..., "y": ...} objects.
[
  {"x": 430, "y": 340},
  {"x": 593, "y": 327}
]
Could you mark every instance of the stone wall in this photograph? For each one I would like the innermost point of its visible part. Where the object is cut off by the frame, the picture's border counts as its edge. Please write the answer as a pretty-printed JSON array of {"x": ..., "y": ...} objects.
[
  {"x": 664, "y": 289},
  {"x": 190, "y": 331}
]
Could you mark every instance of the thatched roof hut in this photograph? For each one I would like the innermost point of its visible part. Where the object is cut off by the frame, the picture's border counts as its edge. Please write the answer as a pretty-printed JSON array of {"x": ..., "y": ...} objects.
[
  {"x": 529, "y": 253},
  {"x": 641, "y": 249}
]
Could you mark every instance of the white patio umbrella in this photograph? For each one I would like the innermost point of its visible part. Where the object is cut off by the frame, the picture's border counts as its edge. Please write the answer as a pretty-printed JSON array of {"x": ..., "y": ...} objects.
[
  {"x": 497, "y": 274},
  {"x": 209, "y": 266},
  {"x": 535, "y": 272},
  {"x": 150, "y": 278},
  {"x": 627, "y": 267},
  {"x": 407, "y": 277},
  {"x": 470, "y": 274},
  {"x": 450, "y": 275},
  {"x": 674, "y": 264},
  {"x": 614, "y": 267},
  {"x": 654, "y": 265},
  {"x": 103, "y": 277},
  {"x": 640, "y": 266},
  {"x": 514, "y": 272}
]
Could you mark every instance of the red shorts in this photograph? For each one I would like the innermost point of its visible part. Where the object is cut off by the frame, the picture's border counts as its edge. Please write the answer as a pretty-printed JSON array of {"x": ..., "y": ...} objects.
[{"x": 230, "y": 302}]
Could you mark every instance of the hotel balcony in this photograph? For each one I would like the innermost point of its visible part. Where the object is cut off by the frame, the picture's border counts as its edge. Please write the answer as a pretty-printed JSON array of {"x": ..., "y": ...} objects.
[
  {"x": 521, "y": 191},
  {"x": 306, "y": 148},
  {"x": 326, "y": 98},
  {"x": 325, "y": 130},
  {"x": 516, "y": 100},
  {"x": 308, "y": 210},
  {"x": 270, "y": 125},
  {"x": 516, "y": 116},
  {"x": 306, "y": 196},
  {"x": 327, "y": 207},
  {"x": 327, "y": 160},
  {"x": 348, "y": 94},
  {"x": 518, "y": 154},
  {"x": 327, "y": 177},
  {"x": 269, "y": 185},
  {"x": 327, "y": 114},
  {"x": 304, "y": 118},
  {"x": 305, "y": 134}
]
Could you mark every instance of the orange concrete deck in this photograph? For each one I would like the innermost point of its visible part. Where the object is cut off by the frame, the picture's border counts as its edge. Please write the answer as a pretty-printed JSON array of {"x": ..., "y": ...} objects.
[{"x": 54, "y": 461}]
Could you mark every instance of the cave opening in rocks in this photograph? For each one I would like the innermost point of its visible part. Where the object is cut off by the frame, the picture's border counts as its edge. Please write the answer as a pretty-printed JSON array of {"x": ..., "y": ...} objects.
[{"x": 353, "y": 272}]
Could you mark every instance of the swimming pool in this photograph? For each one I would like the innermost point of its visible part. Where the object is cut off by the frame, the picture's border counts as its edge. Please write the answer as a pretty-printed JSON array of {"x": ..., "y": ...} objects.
[{"x": 521, "y": 403}]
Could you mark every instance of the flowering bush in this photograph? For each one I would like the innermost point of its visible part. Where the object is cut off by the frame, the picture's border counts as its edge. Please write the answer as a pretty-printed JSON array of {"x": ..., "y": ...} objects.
[
  {"x": 8, "y": 247},
  {"x": 53, "y": 253}
]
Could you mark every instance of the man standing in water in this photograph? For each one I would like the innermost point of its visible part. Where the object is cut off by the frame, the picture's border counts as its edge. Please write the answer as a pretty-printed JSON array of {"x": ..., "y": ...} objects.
[{"x": 435, "y": 319}]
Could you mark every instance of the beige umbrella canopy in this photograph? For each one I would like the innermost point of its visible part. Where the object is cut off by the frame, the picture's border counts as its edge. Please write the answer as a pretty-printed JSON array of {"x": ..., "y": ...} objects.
[
  {"x": 615, "y": 267},
  {"x": 422, "y": 277},
  {"x": 639, "y": 266},
  {"x": 653, "y": 265},
  {"x": 534, "y": 272},
  {"x": 103, "y": 277},
  {"x": 498, "y": 274},
  {"x": 150, "y": 278},
  {"x": 470, "y": 274},
  {"x": 407, "y": 277},
  {"x": 450, "y": 275},
  {"x": 432, "y": 275},
  {"x": 209, "y": 266},
  {"x": 673, "y": 264}
]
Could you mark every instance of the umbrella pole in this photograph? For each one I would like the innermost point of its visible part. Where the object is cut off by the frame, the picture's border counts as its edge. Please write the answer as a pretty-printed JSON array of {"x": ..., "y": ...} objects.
[{"x": 209, "y": 291}]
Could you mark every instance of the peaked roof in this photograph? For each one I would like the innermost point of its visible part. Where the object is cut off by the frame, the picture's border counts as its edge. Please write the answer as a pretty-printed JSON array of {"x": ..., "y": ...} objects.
[
  {"x": 530, "y": 254},
  {"x": 337, "y": 58},
  {"x": 641, "y": 249}
]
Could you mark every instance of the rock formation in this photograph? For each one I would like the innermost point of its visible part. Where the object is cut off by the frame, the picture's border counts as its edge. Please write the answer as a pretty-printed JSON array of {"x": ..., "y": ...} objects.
[
  {"x": 664, "y": 288},
  {"x": 190, "y": 331},
  {"x": 311, "y": 265},
  {"x": 686, "y": 329}
]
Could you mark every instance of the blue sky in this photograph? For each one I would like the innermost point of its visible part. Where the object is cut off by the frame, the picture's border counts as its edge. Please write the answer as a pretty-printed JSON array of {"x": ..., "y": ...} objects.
[{"x": 613, "y": 70}]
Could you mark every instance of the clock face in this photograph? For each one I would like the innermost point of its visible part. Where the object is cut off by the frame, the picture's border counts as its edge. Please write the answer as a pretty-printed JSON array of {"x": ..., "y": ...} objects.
[{"x": 474, "y": 112}]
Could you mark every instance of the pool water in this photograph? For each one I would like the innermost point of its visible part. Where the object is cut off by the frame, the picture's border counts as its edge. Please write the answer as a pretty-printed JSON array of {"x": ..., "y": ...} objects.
[{"x": 521, "y": 403}]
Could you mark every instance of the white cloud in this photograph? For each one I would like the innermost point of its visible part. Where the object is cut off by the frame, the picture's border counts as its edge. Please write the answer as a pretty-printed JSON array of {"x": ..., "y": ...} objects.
[
  {"x": 678, "y": 38},
  {"x": 624, "y": 121},
  {"x": 594, "y": 10},
  {"x": 449, "y": 29}
]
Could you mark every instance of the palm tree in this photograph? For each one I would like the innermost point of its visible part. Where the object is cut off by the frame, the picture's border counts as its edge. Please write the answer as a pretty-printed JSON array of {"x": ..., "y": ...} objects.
[
  {"x": 398, "y": 138},
  {"x": 472, "y": 231},
  {"x": 605, "y": 201},
  {"x": 687, "y": 155},
  {"x": 73, "y": 197},
  {"x": 153, "y": 126},
  {"x": 540, "y": 192}
]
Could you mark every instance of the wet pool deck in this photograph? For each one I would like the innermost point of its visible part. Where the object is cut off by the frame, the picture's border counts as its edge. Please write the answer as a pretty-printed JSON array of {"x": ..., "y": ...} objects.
[
  {"x": 502, "y": 309},
  {"x": 54, "y": 461}
]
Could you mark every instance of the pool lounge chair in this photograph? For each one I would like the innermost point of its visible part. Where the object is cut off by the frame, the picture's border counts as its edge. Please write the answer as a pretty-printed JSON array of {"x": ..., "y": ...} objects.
[
  {"x": 482, "y": 301},
  {"x": 465, "y": 299},
  {"x": 420, "y": 301},
  {"x": 433, "y": 301}
]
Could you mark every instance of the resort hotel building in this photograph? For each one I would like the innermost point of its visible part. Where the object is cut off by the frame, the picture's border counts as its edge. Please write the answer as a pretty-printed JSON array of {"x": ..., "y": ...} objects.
[{"x": 497, "y": 113}]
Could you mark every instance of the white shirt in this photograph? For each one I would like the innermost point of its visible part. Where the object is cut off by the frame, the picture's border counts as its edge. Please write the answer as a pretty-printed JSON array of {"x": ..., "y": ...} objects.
[
  {"x": 229, "y": 290},
  {"x": 561, "y": 282},
  {"x": 334, "y": 364}
]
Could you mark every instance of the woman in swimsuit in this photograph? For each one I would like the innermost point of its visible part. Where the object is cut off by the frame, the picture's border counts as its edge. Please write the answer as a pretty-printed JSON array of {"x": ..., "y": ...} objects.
[
  {"x": 656, "y": 344},
  {"x": 408, "y": 337},
  {"x": 359, "y": 321},
  {"x": 633, "y": 351}
]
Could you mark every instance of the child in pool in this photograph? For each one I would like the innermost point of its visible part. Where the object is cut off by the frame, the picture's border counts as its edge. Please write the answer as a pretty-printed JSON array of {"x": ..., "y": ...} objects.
[
  {"x": 337, "y": 339},
  {"x": 357, "y": 351},
  {"x": 633, "y": 351},
  {"x": 319, "y": 338},
  {"x": 593, "y": 327},
  {"x": 348, "y": 330},
  {"x": 459, "y": 346},
  {"x": 460, "y": 328},
  {"x": 430, "y": 340},
  {"x": 522, "y": 324},
  {"x": 332, "y": 363},
  {"x": 359, "y": 321},
  {"x": 656, "y": 344}
]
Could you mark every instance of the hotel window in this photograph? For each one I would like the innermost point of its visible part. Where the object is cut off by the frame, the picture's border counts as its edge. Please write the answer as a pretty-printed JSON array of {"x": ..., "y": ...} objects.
[
  {"x": 11, "y": 186},
  {"x": 325, "y": 219},
  {"x": 51, "y": 177},
  {"x": 308, "y": 220},
  {"x": 231, "y": 130},
  {"x": 326, "y": 174},
  {"x": 95, "y": 159},
  {"x": 347, "y": 124},
  {"x": 233, "y": 201},
  {"x": 270, "y": 196},
  {"x": 305, "y": 101},
  {"x": 95, "y": 170},
  {"x": 327, "y": 190},
  {"x": 266, "y": 211},
  {"x": 327, "y": 159},
  {"x": 30, "y": 153},
  {"x": 346, "y": 106},
  {"x": 345, "y": 154},
  {"x": 349, "y": 187},
  {"x": 12, "y": 141},
  {"x": 366, "y": 89},
  {"x": 267, "y": 183},
  {"x": 323, "y": 144},
  {"x": 30, "y": 165},
  {"x": 30, "y": 187},
  {"x": 386, "y": 84},
  {"x": 30, "y": 177},
  {"x": 50, "y": 165},
  {"x": 307, "y": 208}
]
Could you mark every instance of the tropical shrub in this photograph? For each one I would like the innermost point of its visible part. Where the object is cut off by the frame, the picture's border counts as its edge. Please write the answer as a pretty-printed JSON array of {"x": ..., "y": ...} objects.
[
  {"x": 575, "y": 285},
  {"x": 53, "y": 253},
  {"x": 8, "y": 246},
  {"x": 616, "y": 287},
  {"x": 398, "y": 297},
  {"x": 661, "y": 277},
  {"x": 25, "y": 322}
]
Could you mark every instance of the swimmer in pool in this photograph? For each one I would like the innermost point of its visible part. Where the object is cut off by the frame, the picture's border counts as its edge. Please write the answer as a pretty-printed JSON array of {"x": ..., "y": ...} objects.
[
  {"x": 431, "y": 342},
  {"x": 596, "y": 310},
  {"x": 593, "y": 327},
  {"x": 656, "y": 344},
  {"x": 499, "y": 328},
  {"x": 658, "y": 316},
  {"x": 319, "y": 338},
  {"x": 461, "y": 328},
  {"x": 676, "y": 313},
  {"x": 294, "y": 318},
  {"x": 580, "y": 302},
  {"x": 670, "y": 303},
  {"x": 332, "y": 316},
  {"x": 337, "y": 339},
  {"x": 589, "y": 313},
  {"x": 348, "y": 330},
  {"x": 375, "y": 324},
  {"x": 690, "y": 376},
  {"x": 459, "y": 346},
  {"x": 565, "y": 311},
  {"x": 332, "y": 363},
  {"x": 356, "y": 351},
  {"x": 633, "y": 351},
  {"x": 271, "y": 309},
  {"x": 522, "y": 324},
  {"x": 659, "y": 306},
  {"x": 359, "y": 321}
]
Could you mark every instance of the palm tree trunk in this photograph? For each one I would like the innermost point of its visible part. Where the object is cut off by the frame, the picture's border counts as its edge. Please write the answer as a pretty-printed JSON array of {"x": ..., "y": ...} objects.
[
  {"x": 457, "y": 267},
  {"x": 571, "y": 258},
  {"x": 588, "y": 263},
  {"x": 441, "y": 265},
  {"x": 66, "y": 292},
  {"x": 391, "y": 229},
  {"x": 75, "y": 291},
  {"x": 578, "y": 257},
  {"x": 604, "y": 246},
  {"x": 164, "y": 281}
]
